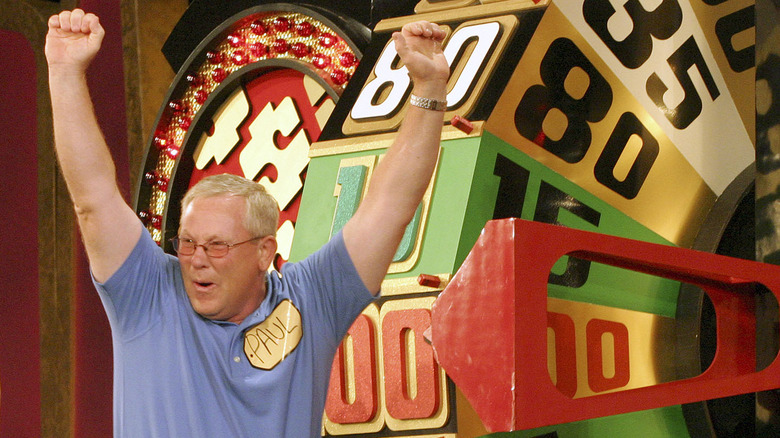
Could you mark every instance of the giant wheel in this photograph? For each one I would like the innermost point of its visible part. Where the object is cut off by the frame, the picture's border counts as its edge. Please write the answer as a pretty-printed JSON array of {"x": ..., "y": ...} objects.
[{"x": 624, "y": 121}]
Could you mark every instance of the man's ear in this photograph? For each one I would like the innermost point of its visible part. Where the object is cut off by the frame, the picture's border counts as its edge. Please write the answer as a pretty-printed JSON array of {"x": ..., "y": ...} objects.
[{"x": 267, "y": 250}]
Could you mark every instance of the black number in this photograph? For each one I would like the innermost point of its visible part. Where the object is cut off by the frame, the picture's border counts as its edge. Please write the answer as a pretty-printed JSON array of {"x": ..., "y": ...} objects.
[
  {"x": 730, "y": 25},
  {"x": 627, "y": 126},
  {"x": 511, "y": 188},
  {"x": 681, "y": 61},
  {"x": 509, "y": 203},
  {"x": 561, "y": 58},
  {"x": 551, "y": 200},
  {"x": 634, "y": 49}
]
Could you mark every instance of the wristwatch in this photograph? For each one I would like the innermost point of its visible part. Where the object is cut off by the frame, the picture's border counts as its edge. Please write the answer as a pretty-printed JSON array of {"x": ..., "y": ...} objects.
[{"x": 430, "y": 104}]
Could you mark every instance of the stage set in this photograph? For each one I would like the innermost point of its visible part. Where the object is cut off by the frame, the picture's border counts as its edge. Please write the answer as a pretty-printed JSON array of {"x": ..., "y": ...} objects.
[{"x": 596, "y": 255}]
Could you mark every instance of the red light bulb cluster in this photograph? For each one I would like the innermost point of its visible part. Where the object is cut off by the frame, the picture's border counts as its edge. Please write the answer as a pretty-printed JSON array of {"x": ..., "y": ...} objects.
[
  {"x": 239, "y": 58},
  {"x": 288, "y": 35},
  {"x": 299, "y": 49},
  {"x": 201, "y": 96},
  {"x": 215, "y": 57},
  {"x": 235, "y": 40},
  {"x": 321, "y": 61},
  {"x": 305, "y": 29},
  {"x": 348, "y": 59},
  {"x": 281, "y": 24},
  {"x": 258, "y": 27},
  {"x": 150, "y": 219},
  {"x": 281, "y": 46},
  {"x": 158, "y": 180}
]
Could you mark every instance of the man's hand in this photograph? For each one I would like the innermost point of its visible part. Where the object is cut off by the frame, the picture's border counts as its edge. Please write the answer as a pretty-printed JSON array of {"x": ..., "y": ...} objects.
[
  {"x": 73, "y": 40},
  {"x": 419, "y": 46}
]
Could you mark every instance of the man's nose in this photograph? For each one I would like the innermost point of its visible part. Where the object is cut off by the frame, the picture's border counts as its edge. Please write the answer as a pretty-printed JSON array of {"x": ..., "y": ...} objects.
[{"x": 199, "y": 257}]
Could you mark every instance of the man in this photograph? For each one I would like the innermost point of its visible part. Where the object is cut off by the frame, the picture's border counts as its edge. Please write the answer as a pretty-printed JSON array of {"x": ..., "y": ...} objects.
[{"x": 208, "y": 343}]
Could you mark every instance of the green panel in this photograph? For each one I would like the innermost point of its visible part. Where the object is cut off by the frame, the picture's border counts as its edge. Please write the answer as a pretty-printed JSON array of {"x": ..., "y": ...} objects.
[
  {"x": 463, "y": 200},
  {"x": 655, "y": 423},
  {"x": 452, "y": 217},
  {"x": 318, "y": 206},
  {"x": 606, "y": 285},
  {"x": 445, "y": 219}
]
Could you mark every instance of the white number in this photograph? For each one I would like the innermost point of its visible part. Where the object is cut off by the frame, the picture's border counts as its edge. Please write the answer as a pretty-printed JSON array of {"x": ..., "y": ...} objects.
[
  {"x": 397, "y": 78},
  {"x": 367, "y": 104},
  {"x": 486, "y": 34}
]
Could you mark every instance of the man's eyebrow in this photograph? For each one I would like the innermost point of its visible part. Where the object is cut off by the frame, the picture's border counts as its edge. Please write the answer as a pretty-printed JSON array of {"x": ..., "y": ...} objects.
[{"x": 211, "y": 239}]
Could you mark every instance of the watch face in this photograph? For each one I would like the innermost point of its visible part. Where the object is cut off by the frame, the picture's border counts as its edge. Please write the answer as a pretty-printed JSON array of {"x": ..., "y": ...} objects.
[{"x": 636, "y": 121}]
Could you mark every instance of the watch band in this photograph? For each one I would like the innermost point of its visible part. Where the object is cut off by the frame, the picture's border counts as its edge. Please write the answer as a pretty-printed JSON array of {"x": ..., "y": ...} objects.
[{"x": 426, "y": 103}]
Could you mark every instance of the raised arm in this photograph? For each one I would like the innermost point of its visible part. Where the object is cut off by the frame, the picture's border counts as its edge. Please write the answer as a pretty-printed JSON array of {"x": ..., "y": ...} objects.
[
  {"x": 399, "y": 182},
  {"x": 108, "y": 225}
]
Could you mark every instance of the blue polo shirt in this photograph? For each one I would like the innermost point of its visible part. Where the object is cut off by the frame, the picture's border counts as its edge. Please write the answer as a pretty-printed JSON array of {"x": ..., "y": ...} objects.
[{"x": 177, "y": 374}]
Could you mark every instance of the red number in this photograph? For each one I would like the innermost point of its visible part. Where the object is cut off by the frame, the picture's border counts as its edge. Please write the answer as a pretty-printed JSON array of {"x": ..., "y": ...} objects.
[
  {"x": 594, "y": 332},
  {"x": 400, "y": 403},
  {"x": 565, "y": 352},
  {"x": 364, "y": 408}
]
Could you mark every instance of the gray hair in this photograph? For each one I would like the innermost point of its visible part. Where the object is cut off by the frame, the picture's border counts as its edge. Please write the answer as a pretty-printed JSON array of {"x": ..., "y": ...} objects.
[{"x": 262, "y": 210}]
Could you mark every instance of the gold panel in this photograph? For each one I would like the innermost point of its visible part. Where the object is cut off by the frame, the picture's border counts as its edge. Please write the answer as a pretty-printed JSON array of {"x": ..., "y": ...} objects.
[
  {"x": 469, "y": 423},
  {"x": 673, "y": 199},
  {"x": 440, "y": 417},
  {"x": 380, "y": 141},
  {"x": 442, "y": 5},
  {"x": 651, "y": 344}
]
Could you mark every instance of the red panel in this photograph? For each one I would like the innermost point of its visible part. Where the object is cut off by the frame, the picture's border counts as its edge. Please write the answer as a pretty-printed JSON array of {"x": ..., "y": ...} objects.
[
  {"x": 20, "y": 403},
  {"x": 480, "y": 299},
  {"x": 501, "y": 289}
]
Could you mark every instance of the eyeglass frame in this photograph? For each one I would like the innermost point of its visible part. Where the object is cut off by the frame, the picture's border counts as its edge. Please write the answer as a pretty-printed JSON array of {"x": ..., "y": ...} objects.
[{"x": 175, "y": 241}]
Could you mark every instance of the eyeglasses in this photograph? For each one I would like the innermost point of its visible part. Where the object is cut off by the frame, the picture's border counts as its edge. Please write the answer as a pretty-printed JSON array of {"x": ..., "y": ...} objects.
[{"x": 188, "y": 247}]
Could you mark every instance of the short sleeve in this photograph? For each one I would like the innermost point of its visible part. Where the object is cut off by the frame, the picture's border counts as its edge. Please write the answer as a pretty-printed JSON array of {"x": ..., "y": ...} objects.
[{"x": 134, "y": 295}]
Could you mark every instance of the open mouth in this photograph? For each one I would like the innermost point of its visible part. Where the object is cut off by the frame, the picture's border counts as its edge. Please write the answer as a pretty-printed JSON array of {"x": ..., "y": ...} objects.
[{"x": 203, "y": 285}]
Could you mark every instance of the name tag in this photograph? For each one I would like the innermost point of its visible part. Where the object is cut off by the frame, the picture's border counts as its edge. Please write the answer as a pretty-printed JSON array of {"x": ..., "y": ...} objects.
[{"x": 266, "y": 344}]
